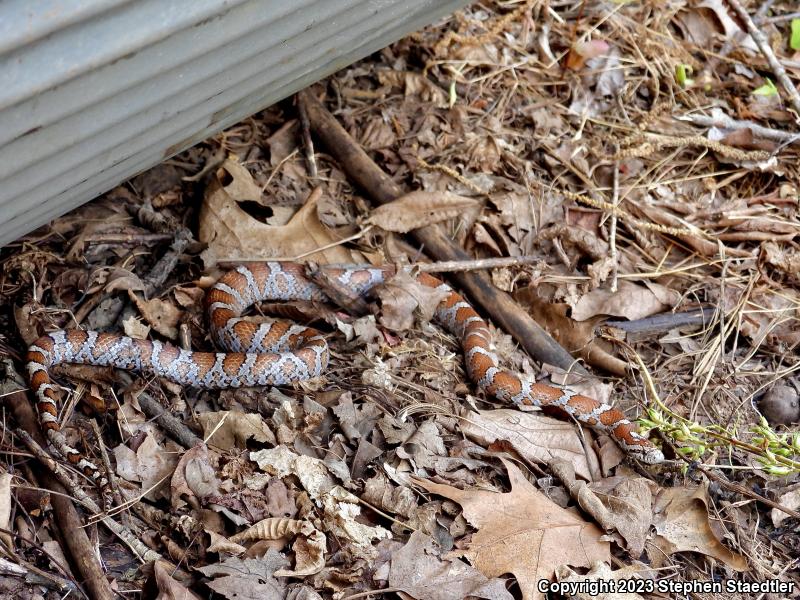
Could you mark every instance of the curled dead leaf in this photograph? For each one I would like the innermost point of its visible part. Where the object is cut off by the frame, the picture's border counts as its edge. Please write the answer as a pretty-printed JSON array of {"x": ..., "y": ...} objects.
[
  {"x": 162, "y": 315},
  {"x": 631, "y": 301},
  {"x": 219, "y": 543},
  {"x": 418, "y": 209},
  {"x": 231, "y": 429},
  {"x": 309, "y": 555},
  {"x": 272, "y": 528}
]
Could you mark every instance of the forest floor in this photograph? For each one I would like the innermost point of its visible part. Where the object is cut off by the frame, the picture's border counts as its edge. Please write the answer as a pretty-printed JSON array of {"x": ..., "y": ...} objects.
[{"x": 628, "y": 172}]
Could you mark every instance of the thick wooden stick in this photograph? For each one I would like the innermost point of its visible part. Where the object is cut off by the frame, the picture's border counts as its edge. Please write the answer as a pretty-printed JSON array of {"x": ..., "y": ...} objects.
[
  {"x": 361, "y": 169},
  {"x": 75, "y": 539}
]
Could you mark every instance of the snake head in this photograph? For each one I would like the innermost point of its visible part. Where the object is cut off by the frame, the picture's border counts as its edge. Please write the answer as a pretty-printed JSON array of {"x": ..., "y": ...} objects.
[{"x": 648, "y": 454}]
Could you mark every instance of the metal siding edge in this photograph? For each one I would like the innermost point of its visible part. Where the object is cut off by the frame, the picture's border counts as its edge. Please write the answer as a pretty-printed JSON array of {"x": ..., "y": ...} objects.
[{"x": 197, "y": 121}]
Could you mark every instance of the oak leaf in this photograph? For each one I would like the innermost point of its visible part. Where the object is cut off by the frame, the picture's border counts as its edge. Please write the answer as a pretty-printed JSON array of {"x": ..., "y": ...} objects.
[
  {"x": 682, "y": 523},
  {"x": 231, "y": 232},
  {"x": 523, "y": 532},
  {"x": 535, "y": 436},
  {"x": 419, "y": 571}
]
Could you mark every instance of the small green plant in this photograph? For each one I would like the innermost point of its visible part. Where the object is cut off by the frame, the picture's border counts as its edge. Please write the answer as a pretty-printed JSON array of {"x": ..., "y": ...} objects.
[
  {"x": 775, "y": 452},
  {"x": 682, "y": 73},
  {"x": 779, "y": 449},
  {"x": 766, "y": 90},
  {"x": 794, "y": 36}
]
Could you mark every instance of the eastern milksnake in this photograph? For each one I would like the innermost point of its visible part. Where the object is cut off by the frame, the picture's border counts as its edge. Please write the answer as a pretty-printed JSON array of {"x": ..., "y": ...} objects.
[{"x": 279, "y": 352}]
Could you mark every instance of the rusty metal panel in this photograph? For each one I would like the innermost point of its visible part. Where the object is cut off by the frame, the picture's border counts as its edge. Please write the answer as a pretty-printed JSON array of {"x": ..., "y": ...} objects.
[{"x": 94, "y": 91}]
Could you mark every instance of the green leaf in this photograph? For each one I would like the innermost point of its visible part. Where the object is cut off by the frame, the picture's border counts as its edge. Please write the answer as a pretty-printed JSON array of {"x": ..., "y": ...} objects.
[
  {"x": 768, "y": 89},
  {"x": 794, "y": 39},
  {"x": 682, "y": 73}
]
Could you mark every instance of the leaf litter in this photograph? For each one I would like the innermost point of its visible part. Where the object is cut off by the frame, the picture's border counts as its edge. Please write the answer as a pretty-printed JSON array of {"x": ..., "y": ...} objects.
[{"x": 559, "y": 133}]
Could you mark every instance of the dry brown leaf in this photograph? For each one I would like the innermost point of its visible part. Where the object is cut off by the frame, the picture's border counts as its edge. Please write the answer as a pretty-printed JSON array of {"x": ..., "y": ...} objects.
[
  {"x": 195, "y": 476},
  {"x": 534, "y": 436},
  {"x": 418, "y": 570},
  {"x": 419, "y": 209},
  {"x": 309, "y": 554},
  {"x": 790, "y": 498},
  {"x": 251, "y": 578},
  {"x": 631, "y": 301},
  {"x": 604, "y": 77},
  {"x": 377, "y": 134},
  {"x": 523, "y": 532},
  {"x": 399, "y": 500},
  {"x": 683, "y": 524},
  {"x": 401, "y": 296},
  {"x": 169, "y": 588},
  {"x": 703, "y": 22},
  {"x": 283, "y": 142},
  {"x": 415, "y": 84},
  {"x": 577, "y": 337},
  {"x": 230, "y": 232},
  {"x": 121, "y": 279},
  {"x": 341, "y": 520},
  {"x": 281, "y": 462},
  {"x": 272, "y": 528},
  {"x": 781, "y": 257},
  {"x": 162, "y": 315},
  {"x": 341, "y": 508},
  {"x": 134, "y": 328},
  {"x": 232, "y": 429},
  {"x": 219, "y": 543},
  {"x": 25, "y": 322},
  {"x": 483, "y": 152},
  {"x": 189, "y": 296},
  {"x": 151, "y": 465},
  {"x": 629, "y": 503},
  {"x": 581, "y": 52}
]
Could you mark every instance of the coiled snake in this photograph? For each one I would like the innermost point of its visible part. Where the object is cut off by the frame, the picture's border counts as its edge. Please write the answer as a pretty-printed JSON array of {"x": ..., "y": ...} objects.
[{"x": 279, "y": 352}]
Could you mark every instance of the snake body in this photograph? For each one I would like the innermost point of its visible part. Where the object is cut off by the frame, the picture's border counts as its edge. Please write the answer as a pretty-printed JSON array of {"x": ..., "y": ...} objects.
[{"x": 280, "y": 352}]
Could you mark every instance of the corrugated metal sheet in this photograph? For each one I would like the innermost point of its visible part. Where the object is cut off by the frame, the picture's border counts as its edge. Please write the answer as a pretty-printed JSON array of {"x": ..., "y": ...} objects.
[{"x": 94, "y": 91}]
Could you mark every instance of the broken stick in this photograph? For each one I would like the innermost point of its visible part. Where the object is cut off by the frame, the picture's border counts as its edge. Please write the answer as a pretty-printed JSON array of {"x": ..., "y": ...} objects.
[{"x": 361, "y": 169}]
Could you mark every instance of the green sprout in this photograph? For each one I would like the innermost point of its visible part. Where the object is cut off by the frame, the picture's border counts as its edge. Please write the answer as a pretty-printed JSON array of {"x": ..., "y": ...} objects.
[
  {"x": 453, "y": 95},
  {"x": 682, "y": 73},
  {"x": 794, "y": 37},
  {"x": 776, "y": 453},
  {"x": 766, "y": 90}
]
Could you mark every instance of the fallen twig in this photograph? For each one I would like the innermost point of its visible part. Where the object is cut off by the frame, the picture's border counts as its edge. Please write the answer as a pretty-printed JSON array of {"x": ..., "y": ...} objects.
[
  {"x": 723, "y": 121},
  {"x": 663, "y": 322},
  {"x": 497, "y": 304},
  {"x": 144, "y": 553},
  {"x": 128, "y": 239},
  {"x": 308, "y": 143},
  {"x": 766, "y": 50},
  {"x": 452, "y": 266},
  {"x": 173, "y": 426},
  {"x": 66, "y": 518}
]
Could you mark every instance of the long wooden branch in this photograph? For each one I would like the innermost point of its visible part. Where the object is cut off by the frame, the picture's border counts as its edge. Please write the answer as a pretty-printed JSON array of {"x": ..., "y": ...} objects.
[
  {"x": 362, "y": 170},
  {"x": 66, "y": 517}
]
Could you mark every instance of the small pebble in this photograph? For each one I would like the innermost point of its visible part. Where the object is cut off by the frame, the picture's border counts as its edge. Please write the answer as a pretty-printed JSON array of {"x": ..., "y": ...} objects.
[{"x": 781, "y": 405}]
